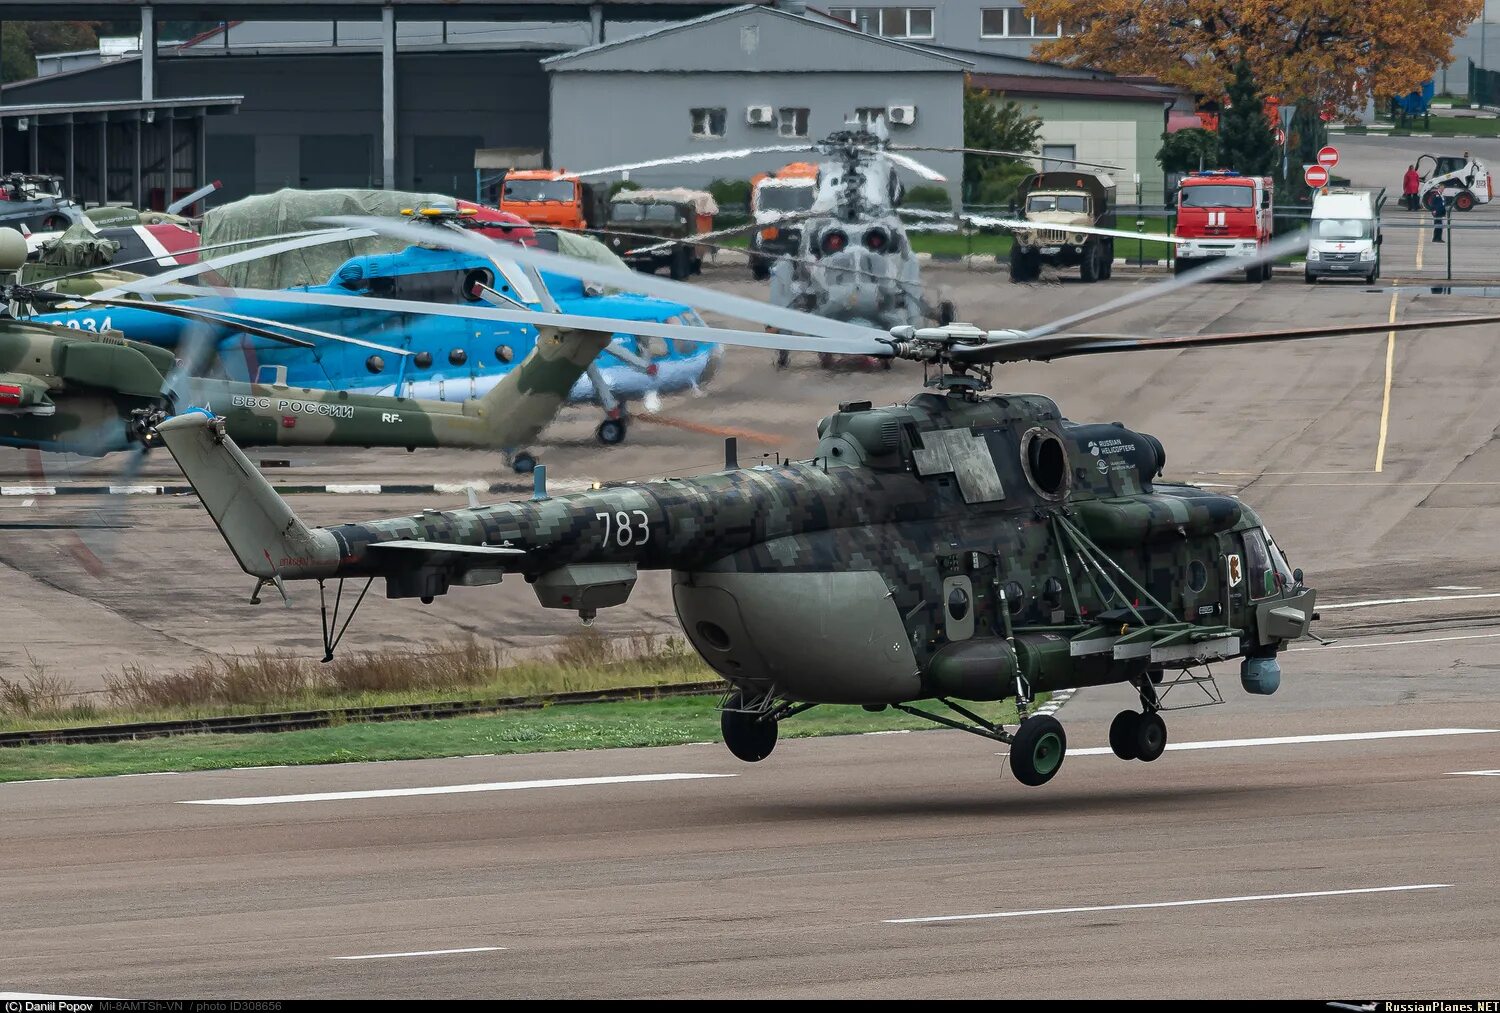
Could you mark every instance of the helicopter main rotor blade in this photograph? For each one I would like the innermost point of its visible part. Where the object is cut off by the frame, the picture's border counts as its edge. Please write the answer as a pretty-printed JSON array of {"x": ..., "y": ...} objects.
[
  {"x": 193, "y": 313},
  {"x": 197, "y": 249},
  {"x": 257, "y": 326},
  {"x": 906, "y": 162},
  {"x": 1062, "y": 346},
  {"x": 1022, "y": 225},
  {"x": 1018, "y": 155},
  {"x": 335, "y": 235},
  {"x": 735, "y": 306},
  {"x": 1223, "y": 268},
  {"x": 710, "y": 156},
  {"x": 872, "y": 342}
]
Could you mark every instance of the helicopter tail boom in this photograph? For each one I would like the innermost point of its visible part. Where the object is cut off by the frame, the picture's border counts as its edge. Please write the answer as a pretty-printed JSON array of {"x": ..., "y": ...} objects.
[{"x": 269, "y": 541}]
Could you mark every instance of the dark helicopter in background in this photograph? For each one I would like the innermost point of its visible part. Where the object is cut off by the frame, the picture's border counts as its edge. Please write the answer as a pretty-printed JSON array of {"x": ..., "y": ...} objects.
[{"x": 959, "y": 547}]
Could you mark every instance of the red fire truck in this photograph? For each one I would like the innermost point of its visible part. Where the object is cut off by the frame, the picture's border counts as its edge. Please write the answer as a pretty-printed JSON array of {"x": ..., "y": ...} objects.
[{"x": 1223, "y": 214}]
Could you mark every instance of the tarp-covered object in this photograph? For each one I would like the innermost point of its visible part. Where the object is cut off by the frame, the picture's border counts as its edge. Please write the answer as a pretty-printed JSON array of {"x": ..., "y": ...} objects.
[
  {"x": 701, "y": 200},
  {"x": 298, "y": 211}
]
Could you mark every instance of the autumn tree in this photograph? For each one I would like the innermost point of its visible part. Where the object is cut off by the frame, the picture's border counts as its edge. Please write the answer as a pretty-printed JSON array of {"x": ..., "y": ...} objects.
[
  {"x": 22, "y": 41},
  {"x": 1339, "y": 54},
  {"x": 1246, "y": 143}
]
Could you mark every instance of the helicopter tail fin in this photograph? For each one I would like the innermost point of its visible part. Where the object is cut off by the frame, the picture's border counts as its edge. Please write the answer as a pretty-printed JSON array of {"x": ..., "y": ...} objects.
[
  {"x": 267, "y": 539},
  {"x": 528, "y": 397}
]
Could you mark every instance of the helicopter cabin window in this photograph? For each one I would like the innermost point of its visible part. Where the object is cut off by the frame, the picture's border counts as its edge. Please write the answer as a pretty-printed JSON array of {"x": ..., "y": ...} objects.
[
  {"x": 1263, "y": 577},
  {"x": 791, "y": 122},
  {"x": 708, "y": 123}
]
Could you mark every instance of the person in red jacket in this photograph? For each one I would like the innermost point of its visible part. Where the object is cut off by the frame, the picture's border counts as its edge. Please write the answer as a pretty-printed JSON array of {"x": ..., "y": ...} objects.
[{"x": 1410, "y": 184}]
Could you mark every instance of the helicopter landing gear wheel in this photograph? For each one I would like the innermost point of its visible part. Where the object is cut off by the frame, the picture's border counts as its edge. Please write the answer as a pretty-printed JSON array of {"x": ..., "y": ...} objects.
[
  {"x": 947, "y": 313},
  {"x": 783, "y": 359},
  {"x": 750, "y": 737},
  {"x": 523, "y": 463},
  {"x": 611, "y": 432},
  {"x": 1122, "y": 734},
  {"x": 1150, "y": 736},
  {"x": 1037, "y": 750}
]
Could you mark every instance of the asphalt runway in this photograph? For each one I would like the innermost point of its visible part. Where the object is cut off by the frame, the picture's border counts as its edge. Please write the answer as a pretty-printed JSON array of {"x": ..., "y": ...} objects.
[{"x": 1337, "y": 867}]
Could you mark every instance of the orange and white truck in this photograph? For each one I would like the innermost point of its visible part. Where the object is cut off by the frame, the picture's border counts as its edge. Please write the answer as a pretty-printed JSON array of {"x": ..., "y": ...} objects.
[
  {"x": 1220, "y": 214},
  {"x": 551, "y": 197},
  {"x": 774, "y": 196}
]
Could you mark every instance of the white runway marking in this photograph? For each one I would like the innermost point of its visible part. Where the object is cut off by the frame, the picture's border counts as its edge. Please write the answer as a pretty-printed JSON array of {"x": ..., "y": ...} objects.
[
  {"x": 422, "y": 953},
  {"x": 1298, "y": 740},
  {"x": 1168, "y": 903},
  {"x": 1477, "y": 773},
  {"x": 1408, "y": 601},
  {"x": 1397, "y": 643},
  {"x": 448, "y": 789}
]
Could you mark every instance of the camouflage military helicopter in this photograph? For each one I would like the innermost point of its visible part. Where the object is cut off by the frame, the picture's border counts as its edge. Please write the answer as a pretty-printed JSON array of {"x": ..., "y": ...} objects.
[
  {"x": 69, "y": 390},
  {"x": 955, "y": 548}
]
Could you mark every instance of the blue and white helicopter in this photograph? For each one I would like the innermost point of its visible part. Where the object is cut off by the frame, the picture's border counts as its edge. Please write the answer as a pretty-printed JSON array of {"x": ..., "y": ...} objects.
[{"x": 395, "y": 323}]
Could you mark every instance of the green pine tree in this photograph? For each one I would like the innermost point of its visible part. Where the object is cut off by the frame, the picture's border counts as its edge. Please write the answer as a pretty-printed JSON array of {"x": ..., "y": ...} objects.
[{"x": 1247, "y": 142}]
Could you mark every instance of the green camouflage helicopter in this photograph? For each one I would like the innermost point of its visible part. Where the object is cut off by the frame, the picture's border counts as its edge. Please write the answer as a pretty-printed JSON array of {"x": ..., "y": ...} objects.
[
  {"x": 959, "y": 547},
  {"x": 76, "y": 391}
]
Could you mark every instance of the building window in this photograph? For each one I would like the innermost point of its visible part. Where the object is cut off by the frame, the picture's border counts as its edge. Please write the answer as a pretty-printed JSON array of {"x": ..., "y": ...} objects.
[
  {"x": 891, "y": 22},
  {"x": 1013, "y": 21},
  {"x": 1058, "y": 157},
  {"x": 708, "y": 122},
  {"x": 869, "y": 115},
  {"x": 791, "y": 122}
]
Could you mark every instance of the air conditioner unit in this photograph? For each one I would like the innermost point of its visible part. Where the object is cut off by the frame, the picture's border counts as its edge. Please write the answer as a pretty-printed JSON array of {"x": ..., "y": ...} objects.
[
  {"x": 760, "y": 116},
  {"x": 902, "y": 115}
]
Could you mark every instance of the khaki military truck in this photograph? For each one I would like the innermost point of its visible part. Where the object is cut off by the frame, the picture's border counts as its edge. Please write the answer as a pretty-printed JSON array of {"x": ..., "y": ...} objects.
[
  {"x": 636, "y": 217},
  {"x": 1055, "y": 200}
]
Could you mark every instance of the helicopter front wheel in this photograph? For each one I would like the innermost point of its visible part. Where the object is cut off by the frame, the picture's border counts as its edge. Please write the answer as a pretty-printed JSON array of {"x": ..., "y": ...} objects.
[
  {"x": 523, "y": 462},
  {"x": 750, "y": 737},
  {"x": 1037, "y": 750},
  {"x": 611, "y": 432}
]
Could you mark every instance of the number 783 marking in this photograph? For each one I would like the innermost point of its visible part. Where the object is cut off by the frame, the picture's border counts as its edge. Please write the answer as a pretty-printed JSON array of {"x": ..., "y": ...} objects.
[{"x": 625, "y": 527}]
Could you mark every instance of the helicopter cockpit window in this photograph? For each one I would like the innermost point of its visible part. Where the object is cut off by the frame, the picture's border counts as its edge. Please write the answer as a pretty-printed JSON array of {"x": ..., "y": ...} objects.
[
  {"x": 1262, "y": 577},
  {"x": 1076, "y": 203},
  {"x": 958, "y": 603}
]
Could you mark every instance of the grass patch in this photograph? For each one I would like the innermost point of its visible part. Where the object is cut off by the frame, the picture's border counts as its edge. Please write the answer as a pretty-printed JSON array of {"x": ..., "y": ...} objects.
[
  {"x": 576, "y": 726},
  {"x": 270, "y": 681}
]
